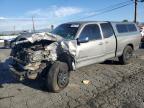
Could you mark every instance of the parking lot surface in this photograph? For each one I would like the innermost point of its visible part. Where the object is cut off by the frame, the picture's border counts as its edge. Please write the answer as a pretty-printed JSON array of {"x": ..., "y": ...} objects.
[{"x": 111, "y": 86}]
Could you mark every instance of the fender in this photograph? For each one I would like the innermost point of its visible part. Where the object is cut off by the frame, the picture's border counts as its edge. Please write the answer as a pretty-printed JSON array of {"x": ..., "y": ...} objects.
[{"x": 66, "y": 57}]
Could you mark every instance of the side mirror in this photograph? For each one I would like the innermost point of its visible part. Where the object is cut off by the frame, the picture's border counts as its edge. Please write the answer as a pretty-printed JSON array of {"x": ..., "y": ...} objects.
[{"x": 83, "y": 40}]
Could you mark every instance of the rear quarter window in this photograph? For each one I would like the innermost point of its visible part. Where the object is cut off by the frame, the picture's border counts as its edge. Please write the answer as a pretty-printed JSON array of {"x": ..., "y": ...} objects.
[
  {"x": 121, "y": 28},
  {"x": 131, "y": 28},
  {"x": 125, "y": 28}
]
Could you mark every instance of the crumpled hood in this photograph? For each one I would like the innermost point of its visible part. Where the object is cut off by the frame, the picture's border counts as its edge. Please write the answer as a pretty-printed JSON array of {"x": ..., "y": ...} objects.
[
  {"x": 52, "y": 50},
  {"x": 69, "y": 46},
  {"x": 39, "y": 36}
]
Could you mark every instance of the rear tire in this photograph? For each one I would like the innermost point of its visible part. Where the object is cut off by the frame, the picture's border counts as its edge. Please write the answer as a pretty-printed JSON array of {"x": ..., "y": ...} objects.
[
  {"x": 126, "y": 56},
  {"x": 57, "y": 77}
]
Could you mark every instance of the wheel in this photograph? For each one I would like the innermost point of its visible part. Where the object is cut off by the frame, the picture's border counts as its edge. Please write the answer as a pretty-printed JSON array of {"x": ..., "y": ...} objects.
[
  {"x": 57, "y": 77},
  {"x": 126, "y": 56}
]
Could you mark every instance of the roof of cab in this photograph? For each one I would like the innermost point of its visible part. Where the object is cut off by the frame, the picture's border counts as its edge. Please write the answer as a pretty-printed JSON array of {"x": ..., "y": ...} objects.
[
  {"x": 86, "y": 22},
  {"x": 83, "y": 22}
]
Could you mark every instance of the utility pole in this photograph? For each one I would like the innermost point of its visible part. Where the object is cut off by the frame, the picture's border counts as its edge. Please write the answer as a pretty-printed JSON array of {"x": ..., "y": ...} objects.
[
  {"x": 14, "y": 29},
  {"x": 135, "y": 10},
  {"x": 33, "y": 24}
]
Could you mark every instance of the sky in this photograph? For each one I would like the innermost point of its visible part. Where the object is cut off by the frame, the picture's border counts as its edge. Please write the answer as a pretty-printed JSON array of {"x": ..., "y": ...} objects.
[{"x": 17, "y": 14}]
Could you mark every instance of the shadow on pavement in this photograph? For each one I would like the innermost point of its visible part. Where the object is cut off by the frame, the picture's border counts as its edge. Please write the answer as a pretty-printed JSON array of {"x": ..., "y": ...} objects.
[
  {"x": 111, "y": 62},
  {"x": 37, "y": 84},
  {"x": 6, "y": 77}
]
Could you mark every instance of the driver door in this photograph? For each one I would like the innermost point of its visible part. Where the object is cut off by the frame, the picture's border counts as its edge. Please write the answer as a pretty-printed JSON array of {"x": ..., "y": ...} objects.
[{"x": 90, "y": 47}]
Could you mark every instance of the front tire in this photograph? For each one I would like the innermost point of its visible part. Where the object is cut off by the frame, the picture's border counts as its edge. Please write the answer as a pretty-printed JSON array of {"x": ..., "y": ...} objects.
[
  {"x": 126, "y": 56},
  {"x": 57, "y": 77}
]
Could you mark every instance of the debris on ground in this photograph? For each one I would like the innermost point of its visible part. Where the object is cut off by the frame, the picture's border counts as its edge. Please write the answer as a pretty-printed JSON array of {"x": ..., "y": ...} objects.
[
  {"x": 86, "y": 82},
  {"x": 1, "y": 86}
]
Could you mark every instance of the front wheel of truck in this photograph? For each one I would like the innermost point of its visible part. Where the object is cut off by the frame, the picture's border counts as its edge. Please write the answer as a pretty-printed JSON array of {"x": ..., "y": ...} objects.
[
  {"x": 57, "y": 77},
  {"x": 126, "y": 56}
]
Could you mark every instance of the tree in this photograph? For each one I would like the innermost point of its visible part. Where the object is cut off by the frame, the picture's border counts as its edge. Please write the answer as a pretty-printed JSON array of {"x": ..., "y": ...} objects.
[{"x": 125, "y": 20}]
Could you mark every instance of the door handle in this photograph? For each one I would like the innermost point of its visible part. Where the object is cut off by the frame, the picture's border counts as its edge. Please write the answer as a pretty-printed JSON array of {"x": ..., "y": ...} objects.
[{"x": 101, "y": 43}]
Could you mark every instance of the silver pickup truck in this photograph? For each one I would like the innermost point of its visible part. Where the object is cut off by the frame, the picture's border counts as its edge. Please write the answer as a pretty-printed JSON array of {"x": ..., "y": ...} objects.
[{"x": 70, "y": 46}]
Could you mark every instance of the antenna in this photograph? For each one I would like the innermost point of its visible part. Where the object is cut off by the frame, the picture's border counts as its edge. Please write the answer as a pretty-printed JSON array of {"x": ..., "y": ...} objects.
[{"x": 33, "y": 24}]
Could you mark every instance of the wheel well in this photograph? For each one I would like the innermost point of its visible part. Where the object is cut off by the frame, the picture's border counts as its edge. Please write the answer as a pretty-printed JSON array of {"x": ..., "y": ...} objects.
[
  {"x": 131, "y": 45},
  {"x": 65, "y": 57}
]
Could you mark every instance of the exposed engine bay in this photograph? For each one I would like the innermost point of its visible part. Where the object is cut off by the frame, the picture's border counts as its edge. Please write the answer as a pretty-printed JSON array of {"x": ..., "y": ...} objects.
[{"x": 34, "y": 52}]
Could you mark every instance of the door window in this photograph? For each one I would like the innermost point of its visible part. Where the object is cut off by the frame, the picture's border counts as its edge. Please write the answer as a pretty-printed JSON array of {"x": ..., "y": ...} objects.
[
  {"x": 107, "y": 30},
  {"x": 92, "y": 32}
]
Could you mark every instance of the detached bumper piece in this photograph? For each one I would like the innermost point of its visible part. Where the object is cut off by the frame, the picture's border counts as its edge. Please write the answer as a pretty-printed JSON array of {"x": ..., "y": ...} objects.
[
  {"x": 22, "y": 75},
  {"x": 17, "y": 74}
]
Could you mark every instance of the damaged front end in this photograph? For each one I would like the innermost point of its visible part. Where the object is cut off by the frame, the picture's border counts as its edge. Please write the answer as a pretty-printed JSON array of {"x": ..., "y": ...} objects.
[{"x": 33, "y": 53}]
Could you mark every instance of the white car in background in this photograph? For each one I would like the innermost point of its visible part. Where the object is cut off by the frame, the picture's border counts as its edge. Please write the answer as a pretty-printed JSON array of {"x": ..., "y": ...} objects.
[{"x": 142, "y": 34}]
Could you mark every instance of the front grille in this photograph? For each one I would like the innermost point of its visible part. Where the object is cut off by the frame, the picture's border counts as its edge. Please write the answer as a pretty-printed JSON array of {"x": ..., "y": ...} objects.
[{"x": 23, "y": 56}]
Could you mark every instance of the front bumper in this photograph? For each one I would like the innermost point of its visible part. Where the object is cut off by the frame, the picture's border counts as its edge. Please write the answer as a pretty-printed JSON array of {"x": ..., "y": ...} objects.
[{"x": 21, "y": 71}]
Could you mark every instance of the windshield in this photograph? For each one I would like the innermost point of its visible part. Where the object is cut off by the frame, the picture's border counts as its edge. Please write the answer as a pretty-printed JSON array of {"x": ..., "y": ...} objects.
[{"x": 67, "y": 31}]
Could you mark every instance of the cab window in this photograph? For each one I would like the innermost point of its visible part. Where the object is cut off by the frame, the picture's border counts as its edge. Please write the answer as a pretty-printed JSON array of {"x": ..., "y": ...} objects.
[
  {"x": 91, "y": 31},
  {"x": 107, "y": 30}
]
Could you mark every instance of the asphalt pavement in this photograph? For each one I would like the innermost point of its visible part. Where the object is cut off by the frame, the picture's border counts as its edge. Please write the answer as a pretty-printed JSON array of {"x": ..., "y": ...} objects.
[{"x": 111, "y": 85}]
